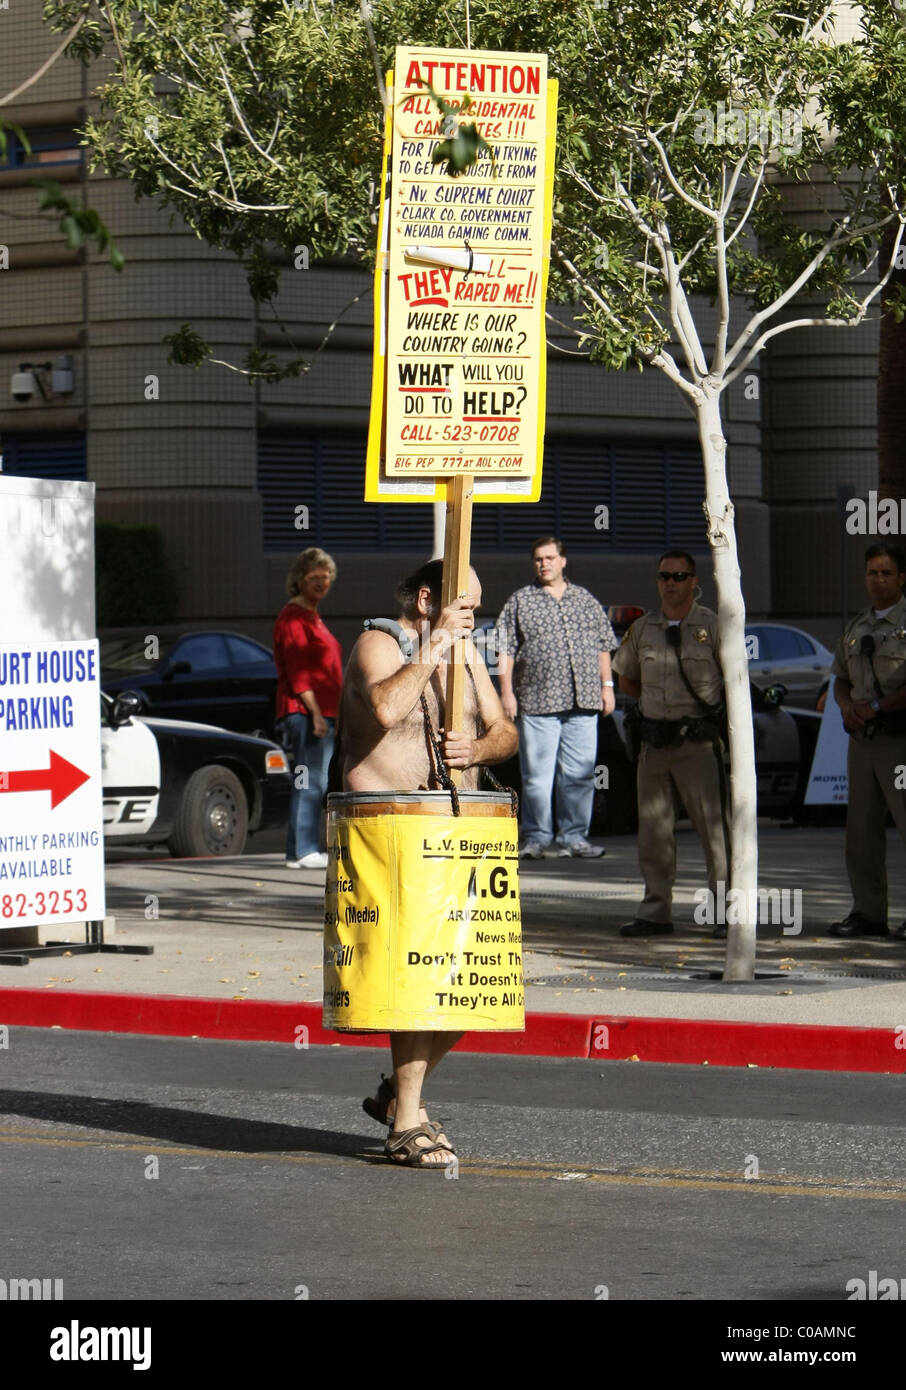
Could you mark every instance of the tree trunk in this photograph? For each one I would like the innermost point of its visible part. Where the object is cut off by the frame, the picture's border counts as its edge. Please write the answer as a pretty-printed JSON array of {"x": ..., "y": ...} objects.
[
  {"x": 731, "y": 614},
  {"x": 891, "y": 388}
]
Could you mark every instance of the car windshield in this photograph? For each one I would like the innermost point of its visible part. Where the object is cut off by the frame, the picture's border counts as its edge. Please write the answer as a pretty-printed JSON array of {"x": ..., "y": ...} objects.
[{"x": 129, "y": 654}]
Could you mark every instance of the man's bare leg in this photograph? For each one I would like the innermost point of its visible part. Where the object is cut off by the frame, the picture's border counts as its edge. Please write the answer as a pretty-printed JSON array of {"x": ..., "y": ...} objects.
[{"x": 415, "y": 1055}]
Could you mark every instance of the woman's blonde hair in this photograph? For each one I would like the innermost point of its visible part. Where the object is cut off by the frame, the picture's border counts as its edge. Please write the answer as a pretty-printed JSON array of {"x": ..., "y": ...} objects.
[{"x": 310, "y": 559}]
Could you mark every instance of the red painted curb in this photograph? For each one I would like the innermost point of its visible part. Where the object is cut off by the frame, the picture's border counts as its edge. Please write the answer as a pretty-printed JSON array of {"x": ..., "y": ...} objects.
[
  {"x": 720, "y": 1043},
  {"x": 251, "y": 1020},
  {"x": 602, "y": 1038}
]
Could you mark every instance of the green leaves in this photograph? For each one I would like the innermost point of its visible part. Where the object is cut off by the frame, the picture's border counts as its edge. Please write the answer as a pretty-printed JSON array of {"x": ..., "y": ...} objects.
[
  {"x": 187, "y": 347},
  {"x": 463, "y": 145},
  {"x": 895, "y": 303},
  {"x": 261, "y": 125},
  {"x": 77, "y": 224},
  {"x": 19, "y": 134},
  {"x": 263, "y": 275}
]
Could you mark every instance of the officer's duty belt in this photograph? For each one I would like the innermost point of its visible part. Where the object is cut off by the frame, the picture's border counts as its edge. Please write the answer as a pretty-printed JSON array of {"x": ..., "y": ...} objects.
[
  {"x": 891, "y": 724},
  {"x": 670, "y": 733}
]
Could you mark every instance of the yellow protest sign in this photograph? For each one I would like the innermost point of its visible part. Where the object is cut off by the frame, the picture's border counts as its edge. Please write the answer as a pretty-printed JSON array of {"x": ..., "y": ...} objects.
[
  {"x": 422, "y": 924},
  {"x": 460, "y": 347}
]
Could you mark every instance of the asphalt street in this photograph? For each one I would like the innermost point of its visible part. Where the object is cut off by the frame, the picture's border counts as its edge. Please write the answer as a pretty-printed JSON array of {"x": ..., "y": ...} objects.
[{"x": 161, "y": 1169}]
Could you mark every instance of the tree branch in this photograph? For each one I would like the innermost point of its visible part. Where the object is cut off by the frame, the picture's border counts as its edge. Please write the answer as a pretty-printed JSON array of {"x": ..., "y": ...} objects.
[
  {"x": 857, "y": 318},
  {"x": 36, "y": 76},
  {"x": 241, "y": 119},
  {"x": 674, "y": 184},
  {"x": 802, "y": 279},
  {"x": 375, "y": 56}
]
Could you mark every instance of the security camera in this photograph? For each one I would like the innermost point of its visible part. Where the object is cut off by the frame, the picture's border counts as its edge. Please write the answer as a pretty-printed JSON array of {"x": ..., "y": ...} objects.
[
  {"x": 27, "y": 380},
  {"x": 23, "y": 386}
]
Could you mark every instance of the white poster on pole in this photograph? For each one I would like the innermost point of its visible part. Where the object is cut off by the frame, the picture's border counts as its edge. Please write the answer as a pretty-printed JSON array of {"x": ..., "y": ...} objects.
[
  {"x": 828, "y": 784},
  {"x": 46, "y": 559},
  {"x": 51, "y": 799}
]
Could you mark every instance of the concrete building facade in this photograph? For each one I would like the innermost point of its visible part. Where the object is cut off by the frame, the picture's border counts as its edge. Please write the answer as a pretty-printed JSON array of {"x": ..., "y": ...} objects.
[{"x": 228, "y": 471}]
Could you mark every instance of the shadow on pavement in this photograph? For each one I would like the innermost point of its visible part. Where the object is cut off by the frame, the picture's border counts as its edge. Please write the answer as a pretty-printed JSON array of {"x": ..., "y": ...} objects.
[{"x": 192, "y": 1128}]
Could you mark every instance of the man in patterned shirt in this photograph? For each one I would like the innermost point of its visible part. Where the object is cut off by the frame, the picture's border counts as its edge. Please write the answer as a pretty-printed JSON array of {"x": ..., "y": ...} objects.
[{"x": 555, "y": 642}]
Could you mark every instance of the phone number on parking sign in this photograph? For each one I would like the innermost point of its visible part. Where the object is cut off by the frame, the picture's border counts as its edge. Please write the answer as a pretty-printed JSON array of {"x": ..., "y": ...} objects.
[{"x": 49, "y": 904}]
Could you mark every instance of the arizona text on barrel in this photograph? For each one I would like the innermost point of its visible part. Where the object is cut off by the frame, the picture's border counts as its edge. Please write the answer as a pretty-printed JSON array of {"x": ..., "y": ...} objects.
[{"x": 422, "y": 923}]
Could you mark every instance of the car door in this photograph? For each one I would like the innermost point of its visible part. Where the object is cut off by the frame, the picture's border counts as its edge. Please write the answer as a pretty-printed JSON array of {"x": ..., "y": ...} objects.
[
  {"x": 194, "y": 682},
  {"x": 252, "y": 685},
  {"x": 130, "y": 772},
  {"x": 788, "y": 657}
]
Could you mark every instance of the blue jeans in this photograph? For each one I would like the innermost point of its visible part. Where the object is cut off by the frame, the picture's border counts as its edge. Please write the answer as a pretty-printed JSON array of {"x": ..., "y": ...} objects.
[
  {"x": 557, "y": 752},
  {"x": 308, "y": 759}
]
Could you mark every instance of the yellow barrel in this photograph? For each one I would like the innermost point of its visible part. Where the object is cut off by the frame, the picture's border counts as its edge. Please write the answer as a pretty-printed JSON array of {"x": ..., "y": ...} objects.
[{"x": 422, "y": 926}]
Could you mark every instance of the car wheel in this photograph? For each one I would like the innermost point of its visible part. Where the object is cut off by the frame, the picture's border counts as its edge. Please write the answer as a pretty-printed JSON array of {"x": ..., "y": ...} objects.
[{"x": 213, "y": 815}]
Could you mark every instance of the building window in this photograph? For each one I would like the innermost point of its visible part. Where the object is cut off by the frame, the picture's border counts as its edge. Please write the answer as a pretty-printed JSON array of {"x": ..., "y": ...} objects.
[
  {"x": 50, "y": 146},
  {"x": 44, "y": 455},
  {"x": 620, "y": 497}
]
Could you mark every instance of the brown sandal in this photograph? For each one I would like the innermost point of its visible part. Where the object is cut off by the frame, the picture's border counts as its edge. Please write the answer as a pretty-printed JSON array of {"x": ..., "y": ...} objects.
[
  {"x": 413, "y": 1153},
  {"x": 377, "y": 1108}
]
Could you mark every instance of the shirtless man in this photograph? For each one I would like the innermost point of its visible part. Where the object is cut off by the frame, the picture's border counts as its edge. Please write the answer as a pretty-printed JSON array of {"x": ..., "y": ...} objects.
[{"x": 385, "y": 747}]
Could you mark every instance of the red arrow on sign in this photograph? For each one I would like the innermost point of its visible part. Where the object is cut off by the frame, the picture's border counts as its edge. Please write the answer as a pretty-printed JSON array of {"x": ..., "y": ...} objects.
[{"x": 61, "y": 779}]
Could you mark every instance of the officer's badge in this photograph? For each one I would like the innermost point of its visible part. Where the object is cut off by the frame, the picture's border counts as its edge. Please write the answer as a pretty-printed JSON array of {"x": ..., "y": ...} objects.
[
  {"x": 900, "y": 634},
  {"x": 852, "y": 642},
  {"x": 700, "y": 634}
]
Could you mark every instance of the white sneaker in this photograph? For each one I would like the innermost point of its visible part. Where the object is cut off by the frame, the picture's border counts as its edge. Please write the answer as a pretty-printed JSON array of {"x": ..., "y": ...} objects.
[
  {"x": 294, "y": 864},
  {"x": 580, "y": 849},
  {"x": 316, "y": 860}
]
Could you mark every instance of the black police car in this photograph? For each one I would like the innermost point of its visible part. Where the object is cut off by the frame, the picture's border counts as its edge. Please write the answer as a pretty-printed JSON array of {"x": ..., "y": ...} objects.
[{"x": 198, "y": 789}]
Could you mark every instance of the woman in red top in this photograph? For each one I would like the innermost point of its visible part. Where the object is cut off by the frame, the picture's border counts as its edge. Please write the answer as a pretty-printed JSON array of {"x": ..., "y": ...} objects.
[{"x": 309, "y": 675}]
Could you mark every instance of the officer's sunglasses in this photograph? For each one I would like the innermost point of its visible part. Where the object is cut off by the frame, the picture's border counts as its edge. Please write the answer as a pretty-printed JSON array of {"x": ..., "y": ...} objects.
[{"x": 676, "y": 575}]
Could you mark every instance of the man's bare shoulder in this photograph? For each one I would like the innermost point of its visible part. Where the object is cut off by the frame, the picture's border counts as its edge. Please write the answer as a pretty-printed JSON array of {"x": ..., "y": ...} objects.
[
  {"x": 374, "y": 656},
  {"x": 374, "y": 648}
]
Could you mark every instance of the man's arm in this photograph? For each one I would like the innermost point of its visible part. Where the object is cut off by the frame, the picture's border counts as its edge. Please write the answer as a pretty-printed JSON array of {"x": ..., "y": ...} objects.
[
  {"x": 843, "y": 694},
  {"x": 631, "y": 688},
  {"x": 859, "y": 712},
  {"x": 500, "y": 738},
  {"x": 388, "y": 687},
  {"x": 391, "y": 689},
  {"x": 505, "y": 676},
  {"x": 607, "y": 691},
  {"x": 505, "y": 627},
  {"x": 627, "y": 666}
]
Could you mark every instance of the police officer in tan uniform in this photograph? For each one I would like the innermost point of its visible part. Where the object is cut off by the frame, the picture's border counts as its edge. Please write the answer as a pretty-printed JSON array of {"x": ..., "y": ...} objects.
[
  {"x": 870, "y": 688},
  {"x": 670, "y": 661}
]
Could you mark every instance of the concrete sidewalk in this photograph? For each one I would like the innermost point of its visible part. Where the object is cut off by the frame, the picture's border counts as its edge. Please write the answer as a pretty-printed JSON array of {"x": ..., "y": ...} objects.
[{"x": 248, "y": 929}]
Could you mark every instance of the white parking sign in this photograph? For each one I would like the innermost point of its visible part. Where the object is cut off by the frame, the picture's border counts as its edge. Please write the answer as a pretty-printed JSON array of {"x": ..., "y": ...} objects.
[{"x": 51, "y": 816}]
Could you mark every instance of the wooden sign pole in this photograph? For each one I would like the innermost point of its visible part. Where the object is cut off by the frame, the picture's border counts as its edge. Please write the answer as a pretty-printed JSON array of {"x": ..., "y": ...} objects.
[{"x": 455, "y": 584}]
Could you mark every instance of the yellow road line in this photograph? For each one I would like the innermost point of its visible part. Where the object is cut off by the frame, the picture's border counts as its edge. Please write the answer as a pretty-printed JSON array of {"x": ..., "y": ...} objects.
[{"x": 792, "y": 1186}]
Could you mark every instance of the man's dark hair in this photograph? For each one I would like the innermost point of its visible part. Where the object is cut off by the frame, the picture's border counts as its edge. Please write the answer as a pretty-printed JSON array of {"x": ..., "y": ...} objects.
[
  {"x": 429, "y": 576},
  {"x": 890, "y": 548},
  {"x": 549, "y": 540},
  {"x": 679, "y": 555}
]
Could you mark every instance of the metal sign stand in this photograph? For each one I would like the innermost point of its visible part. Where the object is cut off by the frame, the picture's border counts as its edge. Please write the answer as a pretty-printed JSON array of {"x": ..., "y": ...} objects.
[{"x": 93, "y": 944}]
